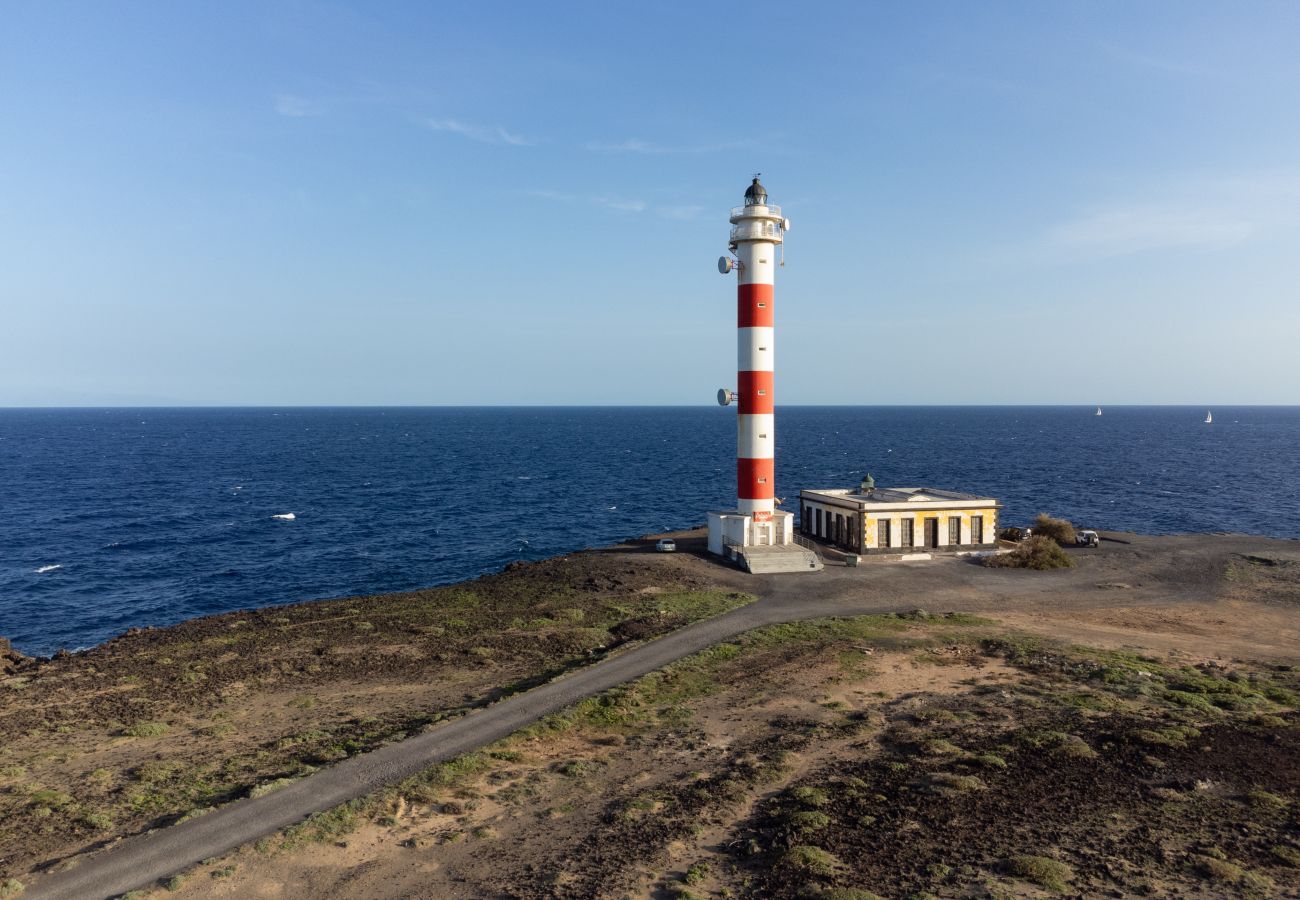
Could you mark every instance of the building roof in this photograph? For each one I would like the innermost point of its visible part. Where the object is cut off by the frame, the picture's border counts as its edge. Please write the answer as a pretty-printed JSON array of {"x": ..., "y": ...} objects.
[{"x": 900, "y": 495}]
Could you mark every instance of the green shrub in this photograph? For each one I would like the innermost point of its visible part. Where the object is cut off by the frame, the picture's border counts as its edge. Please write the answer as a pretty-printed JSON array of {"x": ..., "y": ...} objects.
[
  {"x": 810, "y": 796},
  {"x": 146, "y": 729},
  {"x": 1288, "y": 855},
  {"x": 1048, "y": 873},
  {"x": 1038, "y": 553},
  {"x": 696, "y": 873},
  {"x": 811, "y": 860},
  {"x": 809, "y": 820},
  {"x": 100, "y": 821},
  {"x": 10, "y": 887},
  {"x": 1074, "y": 747},
  {"x": 948, "y": 783},
  {"x": 1218, "y": 869},
  {"x": 941, "y": 747},
  {"x": 1059, "y": 530},
  {"x": 1267, "y": 801}
]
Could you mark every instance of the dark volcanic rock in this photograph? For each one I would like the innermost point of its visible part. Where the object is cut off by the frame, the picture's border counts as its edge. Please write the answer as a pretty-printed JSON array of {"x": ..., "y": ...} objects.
[{"x": 11, "y": 660}]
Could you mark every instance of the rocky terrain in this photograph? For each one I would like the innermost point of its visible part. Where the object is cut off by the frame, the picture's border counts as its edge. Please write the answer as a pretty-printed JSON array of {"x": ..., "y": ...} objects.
[{"x": 1126, "y": 727}]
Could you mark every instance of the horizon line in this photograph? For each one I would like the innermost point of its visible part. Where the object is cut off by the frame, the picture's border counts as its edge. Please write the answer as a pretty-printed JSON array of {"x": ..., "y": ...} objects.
[{"x": 935, "y": 405}]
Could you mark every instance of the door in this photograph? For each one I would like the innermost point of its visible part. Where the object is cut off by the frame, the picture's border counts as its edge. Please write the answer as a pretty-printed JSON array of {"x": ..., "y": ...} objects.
[
  {"x": 932, "y": 533},
  {"x": 954, "y": 530}
]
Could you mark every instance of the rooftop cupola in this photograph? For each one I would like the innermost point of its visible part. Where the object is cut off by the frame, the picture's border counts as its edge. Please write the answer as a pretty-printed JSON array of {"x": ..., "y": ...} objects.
[
  {"x": 868, "y": 485},
  {"x": 756, "y": 194}
]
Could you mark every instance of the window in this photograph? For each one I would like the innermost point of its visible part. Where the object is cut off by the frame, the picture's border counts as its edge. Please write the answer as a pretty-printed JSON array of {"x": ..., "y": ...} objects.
[
  {"x": 762, "y": 306},
  {"x": 906, "y": 533},
  {"x": 818, "y": 530},
  {"x": 882, "y": 533},
  {"x": 977, "y": 529},
  {"x": 805, "y": 521},
  {"x": 762, "y": 393},
  {"x": 762, "y": 480},
  {"x": 839, "y": 528},
  {"x": 954, "y": 530}
]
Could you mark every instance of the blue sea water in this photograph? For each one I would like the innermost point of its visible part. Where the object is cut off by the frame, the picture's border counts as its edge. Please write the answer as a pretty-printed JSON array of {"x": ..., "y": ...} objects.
[{"x": 113, "y": 518}]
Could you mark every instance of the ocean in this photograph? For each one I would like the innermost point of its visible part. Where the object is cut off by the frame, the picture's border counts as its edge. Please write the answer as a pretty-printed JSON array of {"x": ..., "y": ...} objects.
[{"x": 116, "y": 518}]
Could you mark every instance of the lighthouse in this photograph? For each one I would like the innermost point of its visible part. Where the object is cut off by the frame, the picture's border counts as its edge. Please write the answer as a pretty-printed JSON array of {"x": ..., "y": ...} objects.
[{"x": 756, "y": 533}]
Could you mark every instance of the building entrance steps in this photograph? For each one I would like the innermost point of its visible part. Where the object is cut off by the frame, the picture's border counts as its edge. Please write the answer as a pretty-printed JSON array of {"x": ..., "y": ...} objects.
[{"x": 764, "y": 560}]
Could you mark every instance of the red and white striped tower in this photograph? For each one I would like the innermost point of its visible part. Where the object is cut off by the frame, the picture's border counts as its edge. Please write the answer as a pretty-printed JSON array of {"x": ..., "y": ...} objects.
[{"x": 757, "y": 229}]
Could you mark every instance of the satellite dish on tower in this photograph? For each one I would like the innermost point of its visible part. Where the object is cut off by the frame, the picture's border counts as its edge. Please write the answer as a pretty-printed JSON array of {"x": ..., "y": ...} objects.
[{"x": 725, "y": 264}]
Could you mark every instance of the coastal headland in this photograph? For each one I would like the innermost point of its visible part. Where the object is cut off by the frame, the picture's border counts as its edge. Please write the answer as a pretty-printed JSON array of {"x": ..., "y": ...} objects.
[{"x": 620, "y": 722}]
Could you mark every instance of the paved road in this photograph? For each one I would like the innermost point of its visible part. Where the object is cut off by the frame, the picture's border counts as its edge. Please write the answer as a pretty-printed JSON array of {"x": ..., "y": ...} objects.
[{"x": 948, "y": 585}]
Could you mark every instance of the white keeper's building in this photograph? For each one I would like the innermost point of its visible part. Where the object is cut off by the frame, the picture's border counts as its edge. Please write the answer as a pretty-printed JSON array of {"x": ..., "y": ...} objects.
[{"x": 872, "y": 520}]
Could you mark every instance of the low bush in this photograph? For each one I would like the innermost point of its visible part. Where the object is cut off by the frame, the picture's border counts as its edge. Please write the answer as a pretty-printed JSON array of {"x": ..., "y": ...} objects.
[
  {"x": 1039, "y": 553},
  {"x": 809, "y": 820},
  {"x": 1288, "y": 855},
  {"x": 1045, "y": 872},
  {"x": 1059, "y": 530},
  {"x": 811, "y": 860}
]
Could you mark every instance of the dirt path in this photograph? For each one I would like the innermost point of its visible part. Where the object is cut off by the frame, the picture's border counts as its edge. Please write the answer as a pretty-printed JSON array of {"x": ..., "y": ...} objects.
[{"x": 1143, "y": 572}]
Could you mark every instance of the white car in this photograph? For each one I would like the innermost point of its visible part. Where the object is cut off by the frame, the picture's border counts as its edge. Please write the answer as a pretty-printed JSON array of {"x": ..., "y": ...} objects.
[{"x": 666, "y": 545}]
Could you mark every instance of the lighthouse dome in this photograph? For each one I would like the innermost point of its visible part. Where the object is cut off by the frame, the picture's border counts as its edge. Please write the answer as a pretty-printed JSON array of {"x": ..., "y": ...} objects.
[{"x": 756, "y": 194}]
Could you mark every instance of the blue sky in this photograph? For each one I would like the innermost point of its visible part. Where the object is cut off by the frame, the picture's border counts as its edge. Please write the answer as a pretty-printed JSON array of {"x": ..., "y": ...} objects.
[{"x": 417, "y": 203}]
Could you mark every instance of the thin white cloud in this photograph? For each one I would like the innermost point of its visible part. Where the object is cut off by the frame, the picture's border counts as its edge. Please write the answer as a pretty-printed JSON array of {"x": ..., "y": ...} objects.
[
  {"x": 621, "y": 204},
  {"x": 682, "y": 213},
  {"x": 553, "y": 195},
  {"x": 1125, "y": 230},
  {"x": 296, "y": 107},
  {"x": 1206, "y": 212},
  {"x": 636, "y": 145},
  {"x": 481, "y": 133},
  {"x": 1158, "y": 63}
]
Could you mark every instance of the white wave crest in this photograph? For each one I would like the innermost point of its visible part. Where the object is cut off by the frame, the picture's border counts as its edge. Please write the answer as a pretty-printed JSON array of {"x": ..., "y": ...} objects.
[
  {"x": 43, "y": 569},
  {"x": 288, "y": 517}
]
